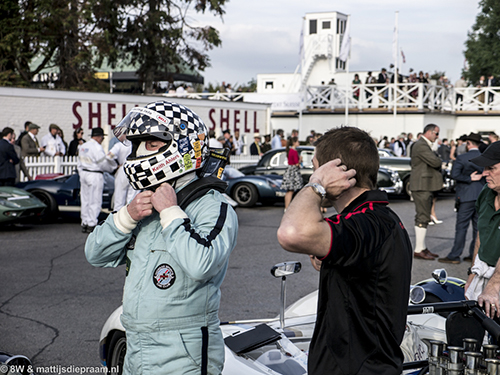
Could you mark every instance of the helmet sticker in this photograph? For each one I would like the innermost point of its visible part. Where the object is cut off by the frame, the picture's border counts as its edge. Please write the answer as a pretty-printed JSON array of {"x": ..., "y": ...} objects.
[
  {"x": 184, "y": 145},
  {"x": 197, "y": 149},
  {"x": 164, "y": 276},
  {"x": 188, "y": 162},
  {"x": 198, "y": 163},
  {"x": 153, "y": 114}
]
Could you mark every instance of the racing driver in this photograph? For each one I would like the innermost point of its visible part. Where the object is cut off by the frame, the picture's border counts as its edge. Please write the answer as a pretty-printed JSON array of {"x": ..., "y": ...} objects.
[{"x": 176, "y": 250}]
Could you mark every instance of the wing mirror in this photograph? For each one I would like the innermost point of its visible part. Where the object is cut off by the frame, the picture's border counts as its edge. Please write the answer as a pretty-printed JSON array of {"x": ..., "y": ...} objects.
[
  {"x": 283, "y": 270},
  {"x": 286, "y": 269},
  {"x": 440, "y": 275}
]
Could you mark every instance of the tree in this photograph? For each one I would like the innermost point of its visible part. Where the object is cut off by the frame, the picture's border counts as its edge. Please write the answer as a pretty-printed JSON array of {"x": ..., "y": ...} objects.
[
  {"x": 483, "y": 43},
  {"x": 156, "y": 34},
  {"x": 75, "y": 37}
]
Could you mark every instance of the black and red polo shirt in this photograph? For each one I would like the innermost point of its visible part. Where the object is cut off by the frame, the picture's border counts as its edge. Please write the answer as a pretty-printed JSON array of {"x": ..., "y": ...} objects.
[{"x": 363, "y": 293}]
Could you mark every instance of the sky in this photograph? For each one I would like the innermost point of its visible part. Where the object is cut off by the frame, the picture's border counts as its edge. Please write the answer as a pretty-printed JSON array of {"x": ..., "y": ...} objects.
[{"x": 262, "y": 36}]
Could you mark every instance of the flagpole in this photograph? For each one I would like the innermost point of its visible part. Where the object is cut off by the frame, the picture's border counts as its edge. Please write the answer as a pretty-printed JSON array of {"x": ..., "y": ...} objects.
[
  {"x": 347, "y": 92},
  {"x": 395, "y": 50},
  {"x": 345, "y": 52}
]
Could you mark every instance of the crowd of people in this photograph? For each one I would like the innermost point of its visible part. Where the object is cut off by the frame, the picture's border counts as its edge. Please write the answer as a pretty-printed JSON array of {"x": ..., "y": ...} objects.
[
  {"x": 176, "y": 232},
  {"x": 447, "y": 149},
  {"x": 28, "y": 144}
]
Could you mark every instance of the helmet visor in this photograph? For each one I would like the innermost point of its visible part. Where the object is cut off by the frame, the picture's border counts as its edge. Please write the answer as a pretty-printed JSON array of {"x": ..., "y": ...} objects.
[{"x": 145, "y": 123}]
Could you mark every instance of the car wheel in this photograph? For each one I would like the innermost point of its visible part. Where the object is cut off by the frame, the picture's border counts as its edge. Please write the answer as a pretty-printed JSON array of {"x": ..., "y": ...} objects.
[
  {"x": 51, "y": 211},
  {"x": 406, "y": 187},
  {"x": 116, "y": 353},
  {"x": 245, "y": 195}
]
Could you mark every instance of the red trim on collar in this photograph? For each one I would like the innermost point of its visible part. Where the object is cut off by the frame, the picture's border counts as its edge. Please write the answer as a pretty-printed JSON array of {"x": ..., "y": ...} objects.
[{"x": 357, "y": 210}]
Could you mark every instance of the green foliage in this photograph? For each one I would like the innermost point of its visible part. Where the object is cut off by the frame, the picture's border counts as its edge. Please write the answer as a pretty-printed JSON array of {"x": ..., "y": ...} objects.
[
  {"x": 483, "y": 43},
  {"x": 76, "y": 37}
]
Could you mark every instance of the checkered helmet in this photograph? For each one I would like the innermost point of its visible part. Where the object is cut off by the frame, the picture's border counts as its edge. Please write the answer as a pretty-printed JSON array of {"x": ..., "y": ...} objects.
[{"x": 183, "y": 132}]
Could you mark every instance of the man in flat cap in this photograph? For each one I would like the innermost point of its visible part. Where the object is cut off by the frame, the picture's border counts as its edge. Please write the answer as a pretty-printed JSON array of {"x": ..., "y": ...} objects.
[
  {"x": 470, "y": 182},
  {"x": 29, "y": 143},
  {"x": 483, "y": 283}
]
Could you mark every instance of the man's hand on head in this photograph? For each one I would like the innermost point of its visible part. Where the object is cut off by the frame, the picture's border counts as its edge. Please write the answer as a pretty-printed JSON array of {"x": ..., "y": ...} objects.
[
  {"x": 164, "y": 197},
  {"x": 141, "y": 206},
  {"x": 334, "y": 177}
]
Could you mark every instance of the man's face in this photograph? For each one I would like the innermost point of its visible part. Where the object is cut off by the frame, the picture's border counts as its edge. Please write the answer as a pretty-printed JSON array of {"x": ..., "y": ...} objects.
[
  {"x": 432, "y": 135},
  {"x": 492, "y": 175},
  {"x": 34, "y": 131},
  {"x": 154, "y": 145},
  {"x": 53, "y": 131}
]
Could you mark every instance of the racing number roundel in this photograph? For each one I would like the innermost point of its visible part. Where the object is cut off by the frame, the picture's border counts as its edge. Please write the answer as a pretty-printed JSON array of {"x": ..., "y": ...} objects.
[{"x": 164, "y": 276}]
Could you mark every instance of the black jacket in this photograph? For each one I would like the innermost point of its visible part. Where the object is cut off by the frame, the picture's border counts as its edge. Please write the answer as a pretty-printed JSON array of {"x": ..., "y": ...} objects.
[{"x": 8, "y": 160}]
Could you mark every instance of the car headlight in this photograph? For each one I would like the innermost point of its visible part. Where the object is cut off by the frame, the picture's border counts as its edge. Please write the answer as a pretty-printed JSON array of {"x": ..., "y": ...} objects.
[
  {"x": 9, "y": 203},
  {"x": 274, "y": 184}
]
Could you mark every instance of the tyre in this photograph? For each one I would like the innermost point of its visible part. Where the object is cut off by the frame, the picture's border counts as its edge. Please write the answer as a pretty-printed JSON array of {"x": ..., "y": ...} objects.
[
  {"x": 52, "y": 209},
  {"x": 245, "y": 195},
  {"x": 116, "y": 353},
  {"x": 406, "y": 187}
]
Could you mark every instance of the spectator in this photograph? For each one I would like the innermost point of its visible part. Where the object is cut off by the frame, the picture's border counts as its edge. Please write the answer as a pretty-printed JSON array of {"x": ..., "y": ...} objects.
[
  {"x": 52, "y": 143},
  {"x": 238, "y": 143},
  {"x": 483, "y": 283},
  {"x": 469, "y": 183},
  {"x": 400, "y": 146},
  {"x": 227, "y": 140},
  {"x": 77, "y": 141},
  {"x": 266, "y": 145},
  {"x": 364, "y": 257},
  {"x": 460, "y": 85},
  {"x": 23, "y": 133},
  {"x": 370, "y": 80},
  {"x": 292, "y": 179},
  {"x": 8, "y": 158},
  {"x": 444, "y": 151},
  {"x": 20, "y": 166},
  {"x": 492, "y": 137},
  {"x": 276, "y": 142},
  {"x": 255, "y": 146},
  {"x": 29, "y": 144},
  {"x": 425, "y": 179},
  {"x": 356, "y": 82},
  {"x": 212, "y": 141}
]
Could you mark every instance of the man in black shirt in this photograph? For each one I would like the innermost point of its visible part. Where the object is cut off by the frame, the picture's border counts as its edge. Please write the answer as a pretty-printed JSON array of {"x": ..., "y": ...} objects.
[{"x": 365, "y": 255}]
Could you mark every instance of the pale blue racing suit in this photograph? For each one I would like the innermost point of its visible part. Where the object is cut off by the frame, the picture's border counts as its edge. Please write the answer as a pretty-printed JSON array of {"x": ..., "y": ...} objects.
[{"x": 172, "y": 289}]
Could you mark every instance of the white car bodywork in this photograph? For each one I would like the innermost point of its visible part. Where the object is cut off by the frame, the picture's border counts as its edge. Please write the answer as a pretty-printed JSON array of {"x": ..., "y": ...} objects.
[{"x": 300, "y": 318}]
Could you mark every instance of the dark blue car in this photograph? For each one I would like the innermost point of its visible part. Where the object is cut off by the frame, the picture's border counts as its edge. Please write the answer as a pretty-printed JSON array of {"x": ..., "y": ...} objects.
[{"x": 61, "y": 194}]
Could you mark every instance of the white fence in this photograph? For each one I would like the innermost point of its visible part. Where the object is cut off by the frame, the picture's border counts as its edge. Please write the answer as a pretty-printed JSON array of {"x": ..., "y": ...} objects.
[
  {"x": 402, "y": 95},
  {"x": 67, "y": 164}
]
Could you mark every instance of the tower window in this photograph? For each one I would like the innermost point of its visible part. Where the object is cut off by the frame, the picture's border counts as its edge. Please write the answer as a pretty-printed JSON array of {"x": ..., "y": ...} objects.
[{"x": 313, "y": 26}]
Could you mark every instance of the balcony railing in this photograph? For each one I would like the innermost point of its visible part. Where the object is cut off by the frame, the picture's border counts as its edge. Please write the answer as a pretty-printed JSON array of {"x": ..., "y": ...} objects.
[{"x": 405, "y": 96}]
